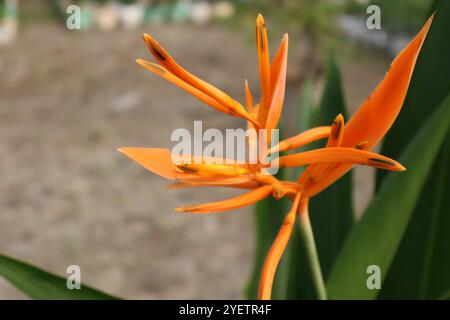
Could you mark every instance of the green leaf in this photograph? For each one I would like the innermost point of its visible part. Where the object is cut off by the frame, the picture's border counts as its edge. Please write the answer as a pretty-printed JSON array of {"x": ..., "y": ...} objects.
[
  {"x": 307, "y": 105},
  {"x": 423, "y": 252},
  {"x": 332, "y": 210},
  {"x": 376, "y": 238},
  {"x": 299, "y": 284},
  {"x": 39, "y": 284},
  {"x": 306, "y": 119}
]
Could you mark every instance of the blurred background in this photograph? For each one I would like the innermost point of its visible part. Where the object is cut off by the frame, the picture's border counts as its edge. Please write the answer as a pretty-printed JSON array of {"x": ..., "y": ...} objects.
[{"x": 68, "y": 98}]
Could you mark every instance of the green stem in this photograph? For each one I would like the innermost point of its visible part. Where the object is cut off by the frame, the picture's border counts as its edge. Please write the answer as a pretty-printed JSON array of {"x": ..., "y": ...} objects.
[{"x": 311, "y": 251}]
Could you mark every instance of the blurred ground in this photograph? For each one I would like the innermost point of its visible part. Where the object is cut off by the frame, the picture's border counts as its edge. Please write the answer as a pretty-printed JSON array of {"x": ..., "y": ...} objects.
[{"x": 67, "y": 100}]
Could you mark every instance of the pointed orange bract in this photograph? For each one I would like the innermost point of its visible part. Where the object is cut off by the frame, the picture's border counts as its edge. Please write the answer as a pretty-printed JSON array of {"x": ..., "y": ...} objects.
[
  {"x": 278, "y": 84},
  {"x": 156, "y": 160},
  {"x": 166, "y": 60},
  {"x": 235, "y": 182},
  {"x": 264, "y": 68},
  {"x": 176, "y": 74},
  {"x": 276, "y": 251},
  {"x": 229, "y": 204},
  {"x": 340, "y": 155},
  {"x": 301, "y": 139},
  {"x": 376, "y": 115},
  {"x": 165, "y": 74}
]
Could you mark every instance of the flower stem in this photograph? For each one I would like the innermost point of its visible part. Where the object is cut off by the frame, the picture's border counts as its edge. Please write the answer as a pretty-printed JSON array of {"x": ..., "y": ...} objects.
[{"x": 311, "y": 251}]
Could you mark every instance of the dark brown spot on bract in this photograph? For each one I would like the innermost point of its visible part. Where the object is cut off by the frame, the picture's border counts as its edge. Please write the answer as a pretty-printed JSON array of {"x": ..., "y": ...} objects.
[
  {"x": 158, "y": 53},
  {"x": 186, "y": 168},
  {"x": 381, "y": 161},
  {"x": 336, "y": 129},
  {"x": 261, "y": 39}
]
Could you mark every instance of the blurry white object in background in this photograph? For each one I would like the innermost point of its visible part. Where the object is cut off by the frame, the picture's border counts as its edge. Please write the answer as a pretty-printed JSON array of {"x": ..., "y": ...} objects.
[
  {"x": 223, "y": 9},
  {"x": 355, "y": 28},
  {"x": 107, "y": 16},
  {"x": 8, "y": 31},
  {"x": 181, "y": 11},
  {"x": 132, "y": 15},
  {"x": 201, "y": 13},
  {"x": 9, "y": 24}
]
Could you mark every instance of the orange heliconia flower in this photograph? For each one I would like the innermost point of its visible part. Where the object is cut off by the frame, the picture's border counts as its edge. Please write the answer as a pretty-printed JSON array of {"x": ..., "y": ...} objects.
[{"x": 346, "y": 145}]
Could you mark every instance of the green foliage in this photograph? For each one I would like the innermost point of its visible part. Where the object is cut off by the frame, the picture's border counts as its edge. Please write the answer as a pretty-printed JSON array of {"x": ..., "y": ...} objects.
[
  {"x": 423, "y": 252},
  {"x": 376, "y": 238},
  {"x": 404, "y": 230},
  {"x": 39, "y": 284},
  {"x": 332, "y": 210}
]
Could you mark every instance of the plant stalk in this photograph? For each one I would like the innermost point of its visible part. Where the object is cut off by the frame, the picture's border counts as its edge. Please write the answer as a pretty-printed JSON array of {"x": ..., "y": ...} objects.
[{"x": 311, "y": 251}]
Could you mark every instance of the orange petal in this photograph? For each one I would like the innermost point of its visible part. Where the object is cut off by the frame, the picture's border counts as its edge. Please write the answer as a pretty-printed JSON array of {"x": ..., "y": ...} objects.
[
  {"x": 229, "y": 204},
  {"x": 377, "y": 114},
  {"x": 248, "y": 98},
  {"x": 278, "y": 84},
  {"x": 166, "y": 60},
  {"x": 252, "y": 137},
  {"x": 206, "y": 160},
  {"x": 262, "y": 44},
  {"x": 337, "y": 132},
  {"x": 340, "y": 155},
  {"x": 276, "y": 252},
  {"x": 165, "y": 74},
  {"x": 156, "y": 160},
  {"x": 302, "y": 139},
  {"x": 212, "y": 170},
  {"x": 241, "y": 182}
]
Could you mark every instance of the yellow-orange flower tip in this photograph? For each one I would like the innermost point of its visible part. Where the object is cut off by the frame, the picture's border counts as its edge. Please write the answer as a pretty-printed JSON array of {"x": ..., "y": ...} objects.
[
  {"x": 337, "y": 127},
  {"x": 154, "y": 47},
  {"x": 156, "y": 68},
  {"x": 122, "y": 150},
  {"x": 391, "y": 165},
  {"x": 260, "y": 18},
  {"x": 340, "y": 155},
  {"x": 146, "y": 37},
  {"x": 141, "y": 62},
  {"x": 144, "y": 63}
]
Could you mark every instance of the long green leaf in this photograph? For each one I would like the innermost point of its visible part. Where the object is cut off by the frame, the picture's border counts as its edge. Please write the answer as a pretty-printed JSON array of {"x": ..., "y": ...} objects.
[
  {"x": 300, "y": 285},
  {"x": 39, "y": 284},
  {"x": 423, "y": 252},
  {"x": 376, "y": 238},
  {"x": 332, "y": 210}
]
